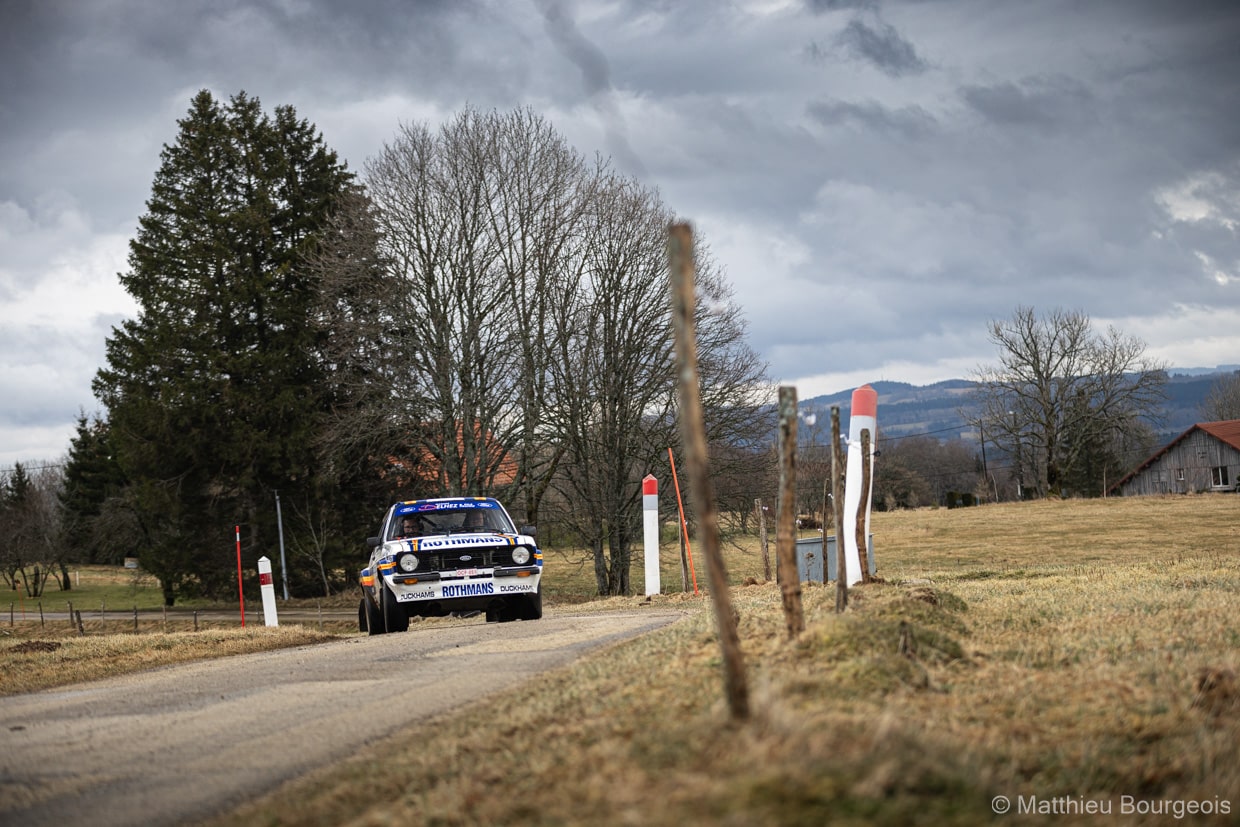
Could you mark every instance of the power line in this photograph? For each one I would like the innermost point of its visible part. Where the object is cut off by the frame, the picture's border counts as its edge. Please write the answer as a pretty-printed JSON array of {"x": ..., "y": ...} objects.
[
  {"x": 885, "y": 438},
  {"x": 26, "y": 467}
]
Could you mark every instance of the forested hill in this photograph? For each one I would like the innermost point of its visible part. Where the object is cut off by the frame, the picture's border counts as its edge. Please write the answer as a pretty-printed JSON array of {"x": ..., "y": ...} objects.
[{"x": 935, "y": 410}]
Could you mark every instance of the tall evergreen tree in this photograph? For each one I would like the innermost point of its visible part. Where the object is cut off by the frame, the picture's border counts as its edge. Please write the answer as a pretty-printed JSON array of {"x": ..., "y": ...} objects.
[
  {"x": 92, "y": 477},
  {"x": 212, "y": 391}
]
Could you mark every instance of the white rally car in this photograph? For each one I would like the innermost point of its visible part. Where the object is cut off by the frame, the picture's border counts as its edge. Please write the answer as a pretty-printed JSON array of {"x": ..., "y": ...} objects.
[{"x": 453, "y": 555}]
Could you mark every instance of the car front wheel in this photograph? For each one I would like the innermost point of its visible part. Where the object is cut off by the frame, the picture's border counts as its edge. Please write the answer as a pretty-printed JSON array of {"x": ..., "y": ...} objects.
[
  {"x": 393, "y": 613},
  {"x": 369, "y": 618},
  {"x": 531, "y": 608}
]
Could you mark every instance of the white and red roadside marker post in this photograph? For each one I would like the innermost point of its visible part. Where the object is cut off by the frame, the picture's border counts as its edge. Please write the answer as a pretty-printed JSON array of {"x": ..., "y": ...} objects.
[
  {"x": 268, "y": 588},
  {"x": 852, "y": 559},
  {"x": 650, "y": 531}
]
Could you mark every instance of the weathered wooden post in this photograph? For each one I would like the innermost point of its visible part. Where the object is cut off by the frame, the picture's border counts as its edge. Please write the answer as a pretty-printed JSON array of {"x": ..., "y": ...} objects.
[
  {"x": 863, "y": 510},
  {"x": 837, "y": 494},
  {"x": 693, "y": 434},
  {"x": 785, "y": 514}
]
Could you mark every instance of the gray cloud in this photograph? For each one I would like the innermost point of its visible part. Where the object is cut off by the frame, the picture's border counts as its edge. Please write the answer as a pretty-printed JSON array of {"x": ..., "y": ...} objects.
[
  {"x": 824, "y": 6},
  {"x": 907, "y": 121},
  {"x": 1053, "y": 102},
  {"x": 882, "y": 46},
  {"x": 875, "y": 197},
  {"x": 596, "y": 77}
]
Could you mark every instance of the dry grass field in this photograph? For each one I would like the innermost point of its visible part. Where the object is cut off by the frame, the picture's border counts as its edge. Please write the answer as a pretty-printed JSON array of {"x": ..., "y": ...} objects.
[{"x": 1068, "y": 658}]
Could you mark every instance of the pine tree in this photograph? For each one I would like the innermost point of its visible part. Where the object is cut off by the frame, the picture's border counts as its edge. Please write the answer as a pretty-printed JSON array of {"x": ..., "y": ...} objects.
[
  {"x": 92, "y": 478},
  {"x": 212, "y": 391}
]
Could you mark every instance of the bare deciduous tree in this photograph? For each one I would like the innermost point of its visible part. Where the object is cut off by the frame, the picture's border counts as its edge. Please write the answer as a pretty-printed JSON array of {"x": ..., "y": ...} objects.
[
  {"x": 1059, "y": 388},
  {"x": 31, "y": 547},
  {"x": 525, "y": 333},
  {"x": 1223, "y": 400}
]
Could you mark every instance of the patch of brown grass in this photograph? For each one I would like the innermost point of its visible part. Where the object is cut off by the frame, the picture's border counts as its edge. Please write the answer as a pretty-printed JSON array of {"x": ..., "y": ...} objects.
[
  {"x": 1079, "y": 649},
  {"x": 62, "y": 658}
]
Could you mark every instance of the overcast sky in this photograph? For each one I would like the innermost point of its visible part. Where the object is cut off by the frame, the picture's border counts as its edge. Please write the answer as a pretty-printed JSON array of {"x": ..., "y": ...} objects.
[{"x": 879, "y": 178}]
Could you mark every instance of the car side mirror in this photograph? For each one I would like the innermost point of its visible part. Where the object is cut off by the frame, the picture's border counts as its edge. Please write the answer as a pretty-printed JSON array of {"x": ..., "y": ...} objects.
[
  {"x": 373, "y": 542},
  {"x": 529, "y": 530}
]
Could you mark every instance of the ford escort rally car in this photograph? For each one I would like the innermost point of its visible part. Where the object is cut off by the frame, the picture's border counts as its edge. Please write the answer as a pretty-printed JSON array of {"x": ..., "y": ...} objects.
[{"x": 450, "y": 555}]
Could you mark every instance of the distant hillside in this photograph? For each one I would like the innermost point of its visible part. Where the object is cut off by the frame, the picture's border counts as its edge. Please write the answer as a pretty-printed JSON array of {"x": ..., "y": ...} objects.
[{"x": 935, "y": 410}]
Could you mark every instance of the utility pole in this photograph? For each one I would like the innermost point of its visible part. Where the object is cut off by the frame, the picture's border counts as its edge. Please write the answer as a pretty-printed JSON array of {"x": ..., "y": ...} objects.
[
  {"x": 1020, "y": 474},
  {"x": 985, "y": 472},
  {"x": 280, "y": 531}
]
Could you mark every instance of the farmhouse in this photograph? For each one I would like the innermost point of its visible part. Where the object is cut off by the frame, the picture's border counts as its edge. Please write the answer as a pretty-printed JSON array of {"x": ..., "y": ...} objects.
[{"x": 1206, "y": 457}]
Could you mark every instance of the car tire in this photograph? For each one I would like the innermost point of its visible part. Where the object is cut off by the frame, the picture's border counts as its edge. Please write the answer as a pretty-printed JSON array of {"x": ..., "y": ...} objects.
[
  {"x": 394, "y": 613},
  {"x": 369, "y": 618},
  {"x": 532, "y": 607}
]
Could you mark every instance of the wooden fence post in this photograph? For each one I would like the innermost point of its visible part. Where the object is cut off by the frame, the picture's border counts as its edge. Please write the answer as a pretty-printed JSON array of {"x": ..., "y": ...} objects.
[
  {"x": 863, "y": 546},
  {"x": 785, "y": 514},
  {"x": 693, "y": 434},
  {"x": 837, "y": 494}
]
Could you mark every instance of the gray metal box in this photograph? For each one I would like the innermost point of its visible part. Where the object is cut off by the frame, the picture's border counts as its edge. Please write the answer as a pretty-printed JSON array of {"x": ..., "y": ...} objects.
[{"x": 809, "y": 558}]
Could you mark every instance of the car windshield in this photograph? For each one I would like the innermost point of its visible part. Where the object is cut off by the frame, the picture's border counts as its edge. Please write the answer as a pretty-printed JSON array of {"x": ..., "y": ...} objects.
[{"x": 448, "y": 521}]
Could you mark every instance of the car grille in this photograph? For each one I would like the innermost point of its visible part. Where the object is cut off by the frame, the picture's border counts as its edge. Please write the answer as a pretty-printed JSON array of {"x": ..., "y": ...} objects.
[{"x": 478, "y": 559}]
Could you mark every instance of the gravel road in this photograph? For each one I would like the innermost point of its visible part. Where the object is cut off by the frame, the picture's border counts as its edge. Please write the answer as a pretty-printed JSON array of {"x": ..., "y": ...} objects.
[{"x": 185, "y": 743}]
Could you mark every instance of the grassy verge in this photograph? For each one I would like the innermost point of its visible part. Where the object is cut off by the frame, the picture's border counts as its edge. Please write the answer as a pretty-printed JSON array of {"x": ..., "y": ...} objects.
[
  {"x": 1059, "y": 654},
  {"x": 58, "y": 657}
]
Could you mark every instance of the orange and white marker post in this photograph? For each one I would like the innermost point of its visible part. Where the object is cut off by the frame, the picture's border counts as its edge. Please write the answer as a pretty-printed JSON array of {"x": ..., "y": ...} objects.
[
  {"x": 863, "y": 416},
  {"x": 650, "y": 532},
  {"x": 268, "y": 588}
]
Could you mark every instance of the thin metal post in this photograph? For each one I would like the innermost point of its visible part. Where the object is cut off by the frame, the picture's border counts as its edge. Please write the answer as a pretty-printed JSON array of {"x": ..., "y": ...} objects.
[{"x": 280, "y": 531}]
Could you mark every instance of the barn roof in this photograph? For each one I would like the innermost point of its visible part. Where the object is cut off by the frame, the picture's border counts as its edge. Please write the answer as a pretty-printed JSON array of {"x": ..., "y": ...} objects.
[{"x": 1228, "y": 431}]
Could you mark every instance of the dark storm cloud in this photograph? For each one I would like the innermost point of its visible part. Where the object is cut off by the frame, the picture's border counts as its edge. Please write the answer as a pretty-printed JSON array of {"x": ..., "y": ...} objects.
[
  {"x": 882, "y": 46},
  {"x": 823, "y": 6},
  {"x": 1046, "y": 103},
  {"x": 908, "y": 121},
  {"x": 596, "y": 77}
]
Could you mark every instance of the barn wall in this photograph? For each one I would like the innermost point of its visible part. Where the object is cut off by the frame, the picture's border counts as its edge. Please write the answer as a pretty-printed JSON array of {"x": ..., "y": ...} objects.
[{"x": 1187, "y": 468}]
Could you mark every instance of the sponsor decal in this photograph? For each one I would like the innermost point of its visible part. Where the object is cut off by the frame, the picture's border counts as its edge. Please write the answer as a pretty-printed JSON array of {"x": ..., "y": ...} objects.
[
  {"x": 421, "y": 594},
  {"x": 469, "y": 590},
  {"x": 451, "y": 542},
  {"x": 447, "y": 505},
  {"x": 524, "y": 587}
]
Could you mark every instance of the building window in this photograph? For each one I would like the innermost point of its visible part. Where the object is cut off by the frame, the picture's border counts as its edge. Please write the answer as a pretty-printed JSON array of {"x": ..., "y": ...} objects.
[
  {"x": 1179, "y": 474},
  {"x": 1219, "y": 478}
]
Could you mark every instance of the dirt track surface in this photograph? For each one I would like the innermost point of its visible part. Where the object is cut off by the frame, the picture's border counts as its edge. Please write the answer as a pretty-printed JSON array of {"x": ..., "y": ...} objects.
[{"x": 185, "y": 743}]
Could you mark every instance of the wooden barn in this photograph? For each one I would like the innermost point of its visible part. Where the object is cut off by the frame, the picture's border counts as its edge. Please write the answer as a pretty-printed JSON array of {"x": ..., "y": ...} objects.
[{"x": 1206, "y": 457}]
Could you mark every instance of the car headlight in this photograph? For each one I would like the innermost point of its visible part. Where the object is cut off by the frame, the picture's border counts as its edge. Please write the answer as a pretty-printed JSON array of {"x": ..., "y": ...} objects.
[
  {"x": 407, "y": 562},
  {"x": 520, "y": 555}
]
